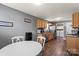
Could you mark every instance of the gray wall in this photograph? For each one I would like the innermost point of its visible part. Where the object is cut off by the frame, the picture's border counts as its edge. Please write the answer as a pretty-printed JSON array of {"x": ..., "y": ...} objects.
[{"x": 19, "y": 26}]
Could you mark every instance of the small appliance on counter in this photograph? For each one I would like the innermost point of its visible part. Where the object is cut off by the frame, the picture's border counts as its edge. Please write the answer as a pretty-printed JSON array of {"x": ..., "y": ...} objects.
[
  {"x": 40, "y": 30},
  {"x": 78, "y": 32},
  {"x": 75, "y": 31}
]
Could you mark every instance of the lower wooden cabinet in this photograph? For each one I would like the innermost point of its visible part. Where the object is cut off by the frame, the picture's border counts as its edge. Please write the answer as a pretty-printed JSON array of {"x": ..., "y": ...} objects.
[
  {"x": 72, "y": 44},
  {"x": 49, "y": 35}
]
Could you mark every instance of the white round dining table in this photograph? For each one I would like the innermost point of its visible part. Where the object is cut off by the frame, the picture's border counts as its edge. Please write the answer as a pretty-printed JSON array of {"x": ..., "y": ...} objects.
[{"x": 24, "y": 48}]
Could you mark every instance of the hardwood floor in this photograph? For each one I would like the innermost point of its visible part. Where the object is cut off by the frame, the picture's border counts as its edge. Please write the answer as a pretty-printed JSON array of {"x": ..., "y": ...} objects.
[{"x": 55, "y": 48}]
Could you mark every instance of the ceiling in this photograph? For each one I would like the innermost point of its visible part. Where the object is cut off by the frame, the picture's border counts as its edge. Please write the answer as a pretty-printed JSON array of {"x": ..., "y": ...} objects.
[{"x": 48, "y": 11}]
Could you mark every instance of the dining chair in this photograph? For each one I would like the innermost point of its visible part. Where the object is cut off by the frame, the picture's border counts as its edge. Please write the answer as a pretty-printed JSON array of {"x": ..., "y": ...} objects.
[
  {"x": 41, "y": 40},
  {"x": 17, "y": 39}
]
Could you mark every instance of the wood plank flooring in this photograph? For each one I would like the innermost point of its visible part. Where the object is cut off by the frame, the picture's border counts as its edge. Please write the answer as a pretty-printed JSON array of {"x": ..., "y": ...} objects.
[{"x": 55, "y": 48}]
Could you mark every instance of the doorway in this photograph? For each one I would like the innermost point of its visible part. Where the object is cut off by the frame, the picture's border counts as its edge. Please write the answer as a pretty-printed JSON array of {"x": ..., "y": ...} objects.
[{"x": 60, "y": 31}]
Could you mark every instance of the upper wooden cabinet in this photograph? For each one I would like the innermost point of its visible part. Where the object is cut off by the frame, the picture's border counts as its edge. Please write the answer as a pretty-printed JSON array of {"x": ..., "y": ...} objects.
[
  {"x": 41, "y": 24},
  {"x": 75, "y": 20}
]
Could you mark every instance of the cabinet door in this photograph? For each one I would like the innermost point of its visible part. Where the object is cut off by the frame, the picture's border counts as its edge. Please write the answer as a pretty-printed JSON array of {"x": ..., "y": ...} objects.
[
  {"x": 45, "y": 24},
  {"x": 41, "y": 24},
  {"x": 77, "y": 44},
  {"x": 71, "y": 43},
  {"x": 38, "y": 24},
  {"x": 75, "y": 19}
]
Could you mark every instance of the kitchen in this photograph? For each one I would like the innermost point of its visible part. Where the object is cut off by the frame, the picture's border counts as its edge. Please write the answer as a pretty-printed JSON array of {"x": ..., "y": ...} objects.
[{"x": 68, "y": 31}]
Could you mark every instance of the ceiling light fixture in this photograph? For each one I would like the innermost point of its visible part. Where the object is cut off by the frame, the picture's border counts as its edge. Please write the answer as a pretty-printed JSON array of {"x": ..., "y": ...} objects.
[
  {"x": 58, "y": 18},
  {"x": 37, "y": 3}
]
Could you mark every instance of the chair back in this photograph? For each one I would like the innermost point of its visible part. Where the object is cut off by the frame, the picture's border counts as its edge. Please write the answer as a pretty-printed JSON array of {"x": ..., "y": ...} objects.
[
  {"x": 17, "y": 39},
  {"x": 41, "y": 40}
]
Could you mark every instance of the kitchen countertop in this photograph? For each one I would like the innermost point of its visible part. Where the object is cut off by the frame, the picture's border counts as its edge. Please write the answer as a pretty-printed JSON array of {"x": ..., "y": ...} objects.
[{"x": 74, "y": 35}]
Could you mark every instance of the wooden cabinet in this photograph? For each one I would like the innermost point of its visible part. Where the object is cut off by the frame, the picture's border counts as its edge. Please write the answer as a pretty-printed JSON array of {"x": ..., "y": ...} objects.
[
  {"x": 75, "y": 20},
  {"x": 49, "y": 35},
  {"x": 38, "y": 24},
  {"x": 72, "y": 44},
  {"x": 41, "y": 24}
]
